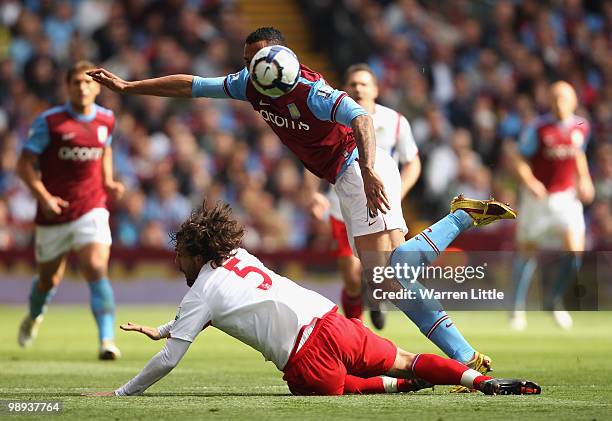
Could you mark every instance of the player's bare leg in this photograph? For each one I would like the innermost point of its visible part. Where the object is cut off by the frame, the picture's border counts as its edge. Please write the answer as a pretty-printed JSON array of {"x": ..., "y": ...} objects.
[
  {"x": 93, "y": 263},
  {"x": 350, "y": 269},
  {"x": 50, "y": 275}
]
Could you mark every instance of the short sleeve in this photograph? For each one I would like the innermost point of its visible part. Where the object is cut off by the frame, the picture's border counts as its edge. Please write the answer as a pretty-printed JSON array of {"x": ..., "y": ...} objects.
[
  {"x": 193, "y": 315},
  {"x": 406, "y": 146},
  {"x": 329, "y": 104},
  {"x": 38, "y": 136},
  {"x": 231, "y": 86},
  {"x": 528, "y": 142},
  {"x": 111, "y": 129}
]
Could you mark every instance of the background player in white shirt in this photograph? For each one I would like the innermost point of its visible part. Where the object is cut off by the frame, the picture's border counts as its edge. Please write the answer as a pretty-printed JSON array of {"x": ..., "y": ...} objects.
[
  {"x": 394, "y": 136},
  {"x": 319, "y": 351}
]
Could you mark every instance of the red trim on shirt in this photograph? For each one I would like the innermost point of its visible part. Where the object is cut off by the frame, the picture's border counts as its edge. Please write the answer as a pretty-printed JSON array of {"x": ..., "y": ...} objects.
[
  {"x": 226, "y": 88},
  {"x": 336, "y": 104}
]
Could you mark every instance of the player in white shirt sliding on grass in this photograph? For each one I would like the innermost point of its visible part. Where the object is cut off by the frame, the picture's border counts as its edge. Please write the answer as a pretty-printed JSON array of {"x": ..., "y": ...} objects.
[{"x": 319, "y": 351}]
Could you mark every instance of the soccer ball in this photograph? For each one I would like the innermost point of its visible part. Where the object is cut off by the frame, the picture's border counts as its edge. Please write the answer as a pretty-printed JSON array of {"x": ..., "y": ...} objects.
[{"x": 274, "y": 70}]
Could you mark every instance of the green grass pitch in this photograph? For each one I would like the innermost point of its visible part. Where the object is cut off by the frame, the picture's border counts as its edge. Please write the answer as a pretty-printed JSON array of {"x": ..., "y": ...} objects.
[{"x": 220, "y": 378}]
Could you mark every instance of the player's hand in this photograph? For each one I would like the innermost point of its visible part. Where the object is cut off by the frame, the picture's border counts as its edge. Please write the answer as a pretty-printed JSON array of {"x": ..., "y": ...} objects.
[
  {"x": 151, "y": 332},
  {"x": 115, "y": 189},
  {"x": 108, "y": 79},
  {"x": 538, "y": 189},
  {"x": 53, "y": 206},
  {"x": 99, "y": 394},
  {"x": 318, "y": 205},
  {"x": 586, "y": 191},
  {"x": 374, "y": 191}
]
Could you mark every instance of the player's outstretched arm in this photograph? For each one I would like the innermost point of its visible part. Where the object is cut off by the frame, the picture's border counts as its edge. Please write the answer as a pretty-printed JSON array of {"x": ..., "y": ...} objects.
[
  {"x": 176, "y": 86},
  {"x": 363, "y": 129},
  {"x": 161, "y": 364},
  {"x": 151, "y": 332}
]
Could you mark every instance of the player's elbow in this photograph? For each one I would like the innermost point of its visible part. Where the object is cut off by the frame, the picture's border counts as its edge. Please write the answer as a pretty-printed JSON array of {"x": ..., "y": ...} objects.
[{"x": 362, "y": 120}]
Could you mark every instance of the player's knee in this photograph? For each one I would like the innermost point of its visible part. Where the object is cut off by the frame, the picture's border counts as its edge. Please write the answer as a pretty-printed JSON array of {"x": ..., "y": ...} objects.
[
  {"x": 94, "y": 270},
  {"x": 404, "y": 360},
  {"x": 46, "y": 283},
  {"x": 352, "y": 284}
]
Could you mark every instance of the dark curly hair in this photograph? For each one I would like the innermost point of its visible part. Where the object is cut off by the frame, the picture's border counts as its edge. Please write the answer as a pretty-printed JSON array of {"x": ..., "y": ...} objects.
[
  {"x": 267, "y": 33},
  {"x": 210, "y": 232}
]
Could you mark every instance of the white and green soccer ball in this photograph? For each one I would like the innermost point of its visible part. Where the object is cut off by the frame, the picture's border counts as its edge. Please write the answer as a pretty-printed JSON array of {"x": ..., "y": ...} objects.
[{"x": 274, "y": 70}]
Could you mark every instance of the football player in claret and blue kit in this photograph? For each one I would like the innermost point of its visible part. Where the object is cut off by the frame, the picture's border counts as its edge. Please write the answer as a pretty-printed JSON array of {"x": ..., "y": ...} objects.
[
  {"x": 71, "y": 146},
  {"x": 334, "y": 138}
]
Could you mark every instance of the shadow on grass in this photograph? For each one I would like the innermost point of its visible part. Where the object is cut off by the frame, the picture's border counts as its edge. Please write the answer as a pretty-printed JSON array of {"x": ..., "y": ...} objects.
[{"x": 212, "y": 394}]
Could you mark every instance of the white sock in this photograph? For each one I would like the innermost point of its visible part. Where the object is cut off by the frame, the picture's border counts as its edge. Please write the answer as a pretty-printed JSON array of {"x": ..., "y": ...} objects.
[
  {"x": 468, "y": 376},
  {"x": 390, "y": 384}
]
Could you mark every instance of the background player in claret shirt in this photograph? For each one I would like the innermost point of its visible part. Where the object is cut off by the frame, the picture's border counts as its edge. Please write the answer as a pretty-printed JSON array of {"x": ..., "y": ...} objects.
[
  {"x": 553, "y": 169},
  {"x": 394, "y": 136},
  {"x": 335, "y": 139},
  {"x": 71, "y": 145},
  {"x": 319, "y": 351}
]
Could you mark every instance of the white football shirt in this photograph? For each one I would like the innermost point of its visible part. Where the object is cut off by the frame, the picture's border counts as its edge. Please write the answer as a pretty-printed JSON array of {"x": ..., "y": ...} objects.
[
  {"x": 250, "y": 302},
  {"x": 394, "y": 135}
]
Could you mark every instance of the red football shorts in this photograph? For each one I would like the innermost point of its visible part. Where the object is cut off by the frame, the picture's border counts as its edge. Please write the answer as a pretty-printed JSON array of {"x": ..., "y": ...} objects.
[
  {"x": 336, "y": 347},
  {"x": 339, "y": 233}
]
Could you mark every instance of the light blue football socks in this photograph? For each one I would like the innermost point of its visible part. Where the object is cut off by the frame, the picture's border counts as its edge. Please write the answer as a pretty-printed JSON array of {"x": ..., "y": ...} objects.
[
  {"x": 522, "y": 273},
  {"x": 103, "y": 307},
  {"x": 428, "y": 315}
]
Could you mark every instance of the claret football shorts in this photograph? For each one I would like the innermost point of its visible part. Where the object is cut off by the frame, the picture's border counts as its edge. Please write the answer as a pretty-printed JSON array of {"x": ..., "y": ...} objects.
[{"x": 55, "y": 240}]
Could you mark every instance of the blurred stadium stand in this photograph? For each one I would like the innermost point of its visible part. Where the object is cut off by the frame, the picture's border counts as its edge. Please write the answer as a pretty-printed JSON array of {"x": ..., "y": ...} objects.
[{"x": 467, "y": 74}]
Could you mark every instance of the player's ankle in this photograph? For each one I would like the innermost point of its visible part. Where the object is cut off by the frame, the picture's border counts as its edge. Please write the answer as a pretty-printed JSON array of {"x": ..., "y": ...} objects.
[{"x": 478, "y": 381}]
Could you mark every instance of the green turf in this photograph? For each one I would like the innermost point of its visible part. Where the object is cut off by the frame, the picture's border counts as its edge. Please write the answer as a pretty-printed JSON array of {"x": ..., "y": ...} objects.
[{"x": 222, "y": 378}]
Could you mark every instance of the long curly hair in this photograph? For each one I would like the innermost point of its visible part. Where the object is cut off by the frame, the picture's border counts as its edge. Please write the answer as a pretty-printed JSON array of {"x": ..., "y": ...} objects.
[{"x": 210, "y": 232}]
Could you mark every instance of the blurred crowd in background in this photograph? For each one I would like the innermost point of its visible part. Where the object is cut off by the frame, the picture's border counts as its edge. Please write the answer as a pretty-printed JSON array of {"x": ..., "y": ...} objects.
[{"x": 468, "y": 75}]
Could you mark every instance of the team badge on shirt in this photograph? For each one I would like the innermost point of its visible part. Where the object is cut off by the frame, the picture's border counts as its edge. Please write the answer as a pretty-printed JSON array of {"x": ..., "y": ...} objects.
[
  {"x": 325, "y": 91},
  {"x": 102, "y": 134},
  {"x": 293, "y": 110}
]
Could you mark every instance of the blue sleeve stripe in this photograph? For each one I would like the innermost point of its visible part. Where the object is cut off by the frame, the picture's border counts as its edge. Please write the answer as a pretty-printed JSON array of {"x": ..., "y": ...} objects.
[
  {"x": 335, "y": 107},
  {"x": 226, "y": 88},
  {"x": 31, "y": 148}
]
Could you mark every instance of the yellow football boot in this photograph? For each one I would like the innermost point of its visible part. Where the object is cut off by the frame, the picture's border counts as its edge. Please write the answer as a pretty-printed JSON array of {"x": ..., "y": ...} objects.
[{"x": 483, "y": 212}]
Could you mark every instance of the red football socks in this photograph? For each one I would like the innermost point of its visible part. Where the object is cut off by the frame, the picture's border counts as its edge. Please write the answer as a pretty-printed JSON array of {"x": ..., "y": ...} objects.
[
  {"x": 351, "y": 306},
  {"x": 444, "y": 371},
  {"x": 360, "y": 386}
]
